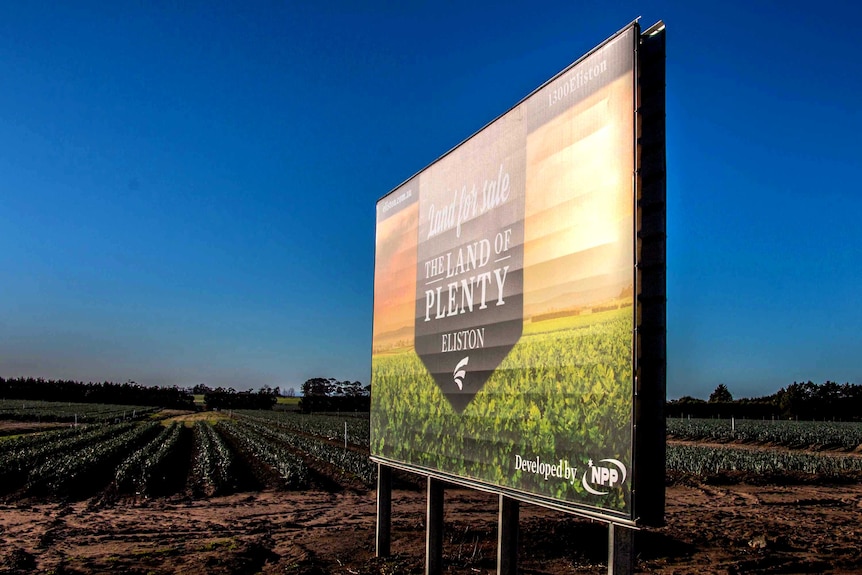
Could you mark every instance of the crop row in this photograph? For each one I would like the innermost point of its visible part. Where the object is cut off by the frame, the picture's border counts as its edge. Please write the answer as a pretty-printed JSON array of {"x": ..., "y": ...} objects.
[
  {"x": 329, "y": 427},
  {"x": 19, "y": 457},
  {"x": 353, "y": 462},
  {"x": 290, "y": 467},
  {"x": 144, "y": 470},
  {"x": 798, "y": 434},
  {"x": 33, "y": 410},
  {"x": 31, "y": 440},
  {"x": 149, "y": 459},
  {"x": 69, "y": 471},
  {"x": 703, "y": 460},
  {"x": 213, "y": 464}
]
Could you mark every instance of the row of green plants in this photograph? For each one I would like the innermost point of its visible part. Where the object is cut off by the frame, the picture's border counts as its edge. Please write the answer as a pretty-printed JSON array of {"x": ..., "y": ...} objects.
[
  {"x": 251, "y": 439},
  {"x": 63, "y": 411},
  {"x": 69, "y": 471},
  {"x": 704, "y": 460},
  {"x": 330, "y": 427},
  {"x": 213, "y": 464},
  {"x": 353, "y": 462},
  {"x": 30, "y": 440},
  {"x": 149, "y": 459},
  {"x": 21, "y": 457},
  {"x": 794, "y": 434},
  {"x": 146, "y": 470}
]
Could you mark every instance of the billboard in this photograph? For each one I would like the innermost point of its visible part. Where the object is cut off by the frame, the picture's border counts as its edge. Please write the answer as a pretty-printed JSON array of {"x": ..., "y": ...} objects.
[{"x": 504, "y": 299}]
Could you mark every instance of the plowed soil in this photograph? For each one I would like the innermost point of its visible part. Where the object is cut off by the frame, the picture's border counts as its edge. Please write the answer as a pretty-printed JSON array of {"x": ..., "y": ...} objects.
[{"x": 731, "y": 528}]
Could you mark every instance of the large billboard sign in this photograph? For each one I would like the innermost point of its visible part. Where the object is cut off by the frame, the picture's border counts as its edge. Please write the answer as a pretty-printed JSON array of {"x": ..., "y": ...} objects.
[{"x": 504, "y": 340}]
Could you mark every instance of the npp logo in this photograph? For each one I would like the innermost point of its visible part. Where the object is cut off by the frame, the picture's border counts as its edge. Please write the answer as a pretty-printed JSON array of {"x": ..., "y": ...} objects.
[{"x": 598, "y": 477}]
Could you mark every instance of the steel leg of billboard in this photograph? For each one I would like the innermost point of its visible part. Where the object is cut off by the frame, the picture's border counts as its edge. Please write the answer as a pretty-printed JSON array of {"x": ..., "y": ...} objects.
[
  {"x": 384, "y": 510},
  {"x": 434, "y": 528},
  {"x": 507, "y": 536},
  {"x": 621, "y": 556}
]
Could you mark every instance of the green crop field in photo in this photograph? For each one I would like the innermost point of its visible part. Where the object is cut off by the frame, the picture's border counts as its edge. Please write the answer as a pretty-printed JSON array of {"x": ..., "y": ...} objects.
[{"x": 563, "y": 392}]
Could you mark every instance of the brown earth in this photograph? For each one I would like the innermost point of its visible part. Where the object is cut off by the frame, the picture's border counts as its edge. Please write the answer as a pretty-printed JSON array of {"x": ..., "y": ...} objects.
[
  {"x": 736, "y": 528},
  {"x": 19, "y": 427}
]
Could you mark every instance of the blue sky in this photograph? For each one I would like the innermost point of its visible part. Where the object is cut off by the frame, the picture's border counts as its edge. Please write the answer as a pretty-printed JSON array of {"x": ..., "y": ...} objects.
[{"x": 187, "y": 190}]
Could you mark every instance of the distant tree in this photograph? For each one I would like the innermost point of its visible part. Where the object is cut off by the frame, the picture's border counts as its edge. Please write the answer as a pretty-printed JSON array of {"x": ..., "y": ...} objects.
[
  {"x": 321, "y": 394},
  {"x": 317, "y": 386},
  {"x": 221, "y": 398},
  {"x": 352, "y": 389},
  {"x": 721, "y": 395},
  {"x": 687, "y": 399},
  {"x": 290, "y": 392},
  {"x": 794, "y": 399},
  {"x": 200, "y": 389}
]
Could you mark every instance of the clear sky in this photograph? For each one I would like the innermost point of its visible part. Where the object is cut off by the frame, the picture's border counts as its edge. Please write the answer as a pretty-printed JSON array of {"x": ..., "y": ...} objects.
[{"x": 188, "y": 189}]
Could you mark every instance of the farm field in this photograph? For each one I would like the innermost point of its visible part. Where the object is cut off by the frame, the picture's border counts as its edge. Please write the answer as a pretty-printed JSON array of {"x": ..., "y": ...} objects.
[
  {"x": 278, "y": 492},
  {"x": 68, "y": 412}
]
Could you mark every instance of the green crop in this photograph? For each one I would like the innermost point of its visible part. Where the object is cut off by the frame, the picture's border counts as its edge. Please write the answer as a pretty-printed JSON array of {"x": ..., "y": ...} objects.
[
  {"x": 817, "y": 434},
  {"x": 330, "y": 427},
  {"x": 213, "y": 463},
  {"x": 348, "y": 460},
  {"x": 140, "y": 471},
  {"x": 70, "y": 469},
  {"x": 22, "y": 457},
  {"x": 703, "y": 460},
  {"x": 32, "y": 410},
  {"x": 561, "y": 394},
  {"x": 291, "y": 467}
]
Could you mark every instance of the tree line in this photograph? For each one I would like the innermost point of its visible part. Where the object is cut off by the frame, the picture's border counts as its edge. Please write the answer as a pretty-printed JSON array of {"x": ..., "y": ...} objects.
[
  {"x": 128, "y": 393},
  {"x": 321, "y": 394},
  {"x": 799, "y": 400},
  {"x": 229, "y": 398}
]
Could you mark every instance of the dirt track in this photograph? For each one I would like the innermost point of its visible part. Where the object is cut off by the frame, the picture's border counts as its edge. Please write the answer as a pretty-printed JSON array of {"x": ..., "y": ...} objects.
[{"x": 711, "y": 529}]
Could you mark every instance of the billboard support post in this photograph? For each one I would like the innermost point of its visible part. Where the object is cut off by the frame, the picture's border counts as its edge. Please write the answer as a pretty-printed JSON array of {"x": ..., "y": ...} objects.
[
  {"x": 620, "y": 550},
  {"x": 434, "y": 528},
  {"x": 507, "y": 536},
  {"x": 384, "y": 510}
]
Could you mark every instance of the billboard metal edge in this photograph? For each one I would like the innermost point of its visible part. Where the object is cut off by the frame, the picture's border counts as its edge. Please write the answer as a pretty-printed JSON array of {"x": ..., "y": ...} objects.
[
  {"x": 649, "y": 440},
  {"x": 596, "y": 513}
]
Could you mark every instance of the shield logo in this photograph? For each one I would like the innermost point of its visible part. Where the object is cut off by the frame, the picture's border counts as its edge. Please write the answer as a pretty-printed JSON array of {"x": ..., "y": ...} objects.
[{"x": 469, "y": 288}]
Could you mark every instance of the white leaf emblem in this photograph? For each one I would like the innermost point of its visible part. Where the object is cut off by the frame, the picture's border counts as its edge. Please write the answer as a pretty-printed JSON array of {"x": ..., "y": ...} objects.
[{"x": 459, "y": 373}]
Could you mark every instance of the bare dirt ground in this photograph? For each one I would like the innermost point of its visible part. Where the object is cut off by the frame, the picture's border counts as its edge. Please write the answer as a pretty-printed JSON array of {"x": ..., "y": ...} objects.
[
  {"x": 731, "y": 528},
  {"x": 18, "y": 427}
]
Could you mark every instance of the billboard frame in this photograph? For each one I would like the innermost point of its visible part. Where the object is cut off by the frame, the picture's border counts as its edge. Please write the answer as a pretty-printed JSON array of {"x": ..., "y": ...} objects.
[{"x": 649, "y": 302}]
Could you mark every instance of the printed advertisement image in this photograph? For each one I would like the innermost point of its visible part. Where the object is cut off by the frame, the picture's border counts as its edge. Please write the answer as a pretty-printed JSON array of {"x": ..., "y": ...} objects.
[{"x": 504, "y": 298}]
